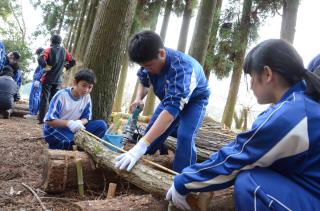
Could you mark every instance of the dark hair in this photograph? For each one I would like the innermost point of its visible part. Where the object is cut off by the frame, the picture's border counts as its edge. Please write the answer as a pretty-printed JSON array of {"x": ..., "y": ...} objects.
[
  {"x": 144, "y": 46},
  {"x": 55, "y": 39},
  {"x": 7, "y": 71},
  {"x": 39, "y": 50},
  {"x": 282, "y": 58},
  {"x": 87, "y": 75},
  {"x": 16, "y": 55}
]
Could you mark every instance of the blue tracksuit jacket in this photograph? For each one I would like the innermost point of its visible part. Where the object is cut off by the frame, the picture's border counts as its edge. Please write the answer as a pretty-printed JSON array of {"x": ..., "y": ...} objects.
[
  {"x": 181, "y": 80},
  {"x": 34, "y": 97},
  {"x": 314, "y": 64},
  {"x": 285, "y": 139}
]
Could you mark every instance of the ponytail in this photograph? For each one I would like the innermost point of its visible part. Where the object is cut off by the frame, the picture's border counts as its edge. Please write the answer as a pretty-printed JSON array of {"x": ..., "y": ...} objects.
[{"x": 312, "y": 80}]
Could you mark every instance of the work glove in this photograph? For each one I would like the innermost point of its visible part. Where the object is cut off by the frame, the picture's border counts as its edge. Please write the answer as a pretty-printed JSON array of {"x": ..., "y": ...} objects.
[
  {"x": 75, "y": 125},
  {"x": 36, "y": 84},
  {"x": 177, "y": 199},
  {"x": 130, "y": 158}
]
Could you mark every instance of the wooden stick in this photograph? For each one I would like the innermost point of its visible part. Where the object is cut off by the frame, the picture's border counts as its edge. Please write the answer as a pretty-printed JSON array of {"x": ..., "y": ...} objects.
[
  {"x": 80, "y": 177},
  {"x": 111, "y": 190},
  {"x": 121, "y": 150},
  {"x": 36, "y": 195}
]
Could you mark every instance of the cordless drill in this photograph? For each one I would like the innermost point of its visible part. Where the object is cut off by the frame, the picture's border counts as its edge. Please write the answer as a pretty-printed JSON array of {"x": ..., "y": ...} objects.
[{"x": 131, "y": 131}]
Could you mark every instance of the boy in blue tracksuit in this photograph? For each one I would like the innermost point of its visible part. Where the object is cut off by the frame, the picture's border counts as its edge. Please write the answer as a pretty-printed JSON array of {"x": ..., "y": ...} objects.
[
  {"x": 70, "y": 110},
  {"x": 179, "y": 82},
  {"x": 276, "y": 164},
  {"x": 34, "y": 97}
]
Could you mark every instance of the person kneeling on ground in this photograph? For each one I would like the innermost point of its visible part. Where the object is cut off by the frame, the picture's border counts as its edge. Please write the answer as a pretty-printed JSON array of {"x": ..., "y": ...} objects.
[
  {"x": 8, "y": 89},
  {"x": 276, "y": 164},
  {"x": 70, "y": 111}
]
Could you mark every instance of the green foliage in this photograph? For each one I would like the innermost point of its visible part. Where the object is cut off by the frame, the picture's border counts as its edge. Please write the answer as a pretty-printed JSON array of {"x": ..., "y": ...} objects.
[{"x": 4, "y": 9}]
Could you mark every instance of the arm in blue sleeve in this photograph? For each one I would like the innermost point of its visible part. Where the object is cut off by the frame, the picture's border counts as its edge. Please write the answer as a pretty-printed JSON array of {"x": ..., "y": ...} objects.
[
  {"x": 37, "y": 73},
  {"x": 55, "y": 107},
  {"x": 87, "y": 112},
  {"x": 182, "y": 82},
  {"x": 143, "y": 77},
  {"x": 264, "y": 144}
]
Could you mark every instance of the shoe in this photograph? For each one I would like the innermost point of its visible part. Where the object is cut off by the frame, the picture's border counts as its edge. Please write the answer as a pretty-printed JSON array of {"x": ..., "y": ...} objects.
[
  {"x": 7, "y": 113},
  {"x": 29, "y": 116}
]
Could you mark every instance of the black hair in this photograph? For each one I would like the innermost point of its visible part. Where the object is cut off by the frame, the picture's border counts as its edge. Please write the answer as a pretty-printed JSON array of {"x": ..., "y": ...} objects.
[
  {"x": 7, "y": 71},
  {"x": 39, "y": 50},
  {"x": 55, "y": 39},
  {"x": 16, "y": 55},
  {"x": 87, "y": 75},
  {"x": 144, "y": 46},
  {"x": 283, "y": 59}
]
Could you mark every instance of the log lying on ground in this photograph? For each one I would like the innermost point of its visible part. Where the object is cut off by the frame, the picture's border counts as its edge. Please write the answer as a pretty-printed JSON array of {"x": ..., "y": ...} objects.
[
  {"x": 60, "y": 172},
  {"x": 142, "y": 175},
  {"x": 207, "y": 142}
]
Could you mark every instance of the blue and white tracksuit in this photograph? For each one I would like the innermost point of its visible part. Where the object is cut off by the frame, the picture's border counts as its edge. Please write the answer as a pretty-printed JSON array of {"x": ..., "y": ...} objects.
[
  {"x": 273, "y": 166},
  {"x": 34, "y": 98},
  {"x": 183, "y": 90},
  {"x": 2, "y": 55},
  {"x": 314, "y": 64},
  {"x": 65, "y": 106}
]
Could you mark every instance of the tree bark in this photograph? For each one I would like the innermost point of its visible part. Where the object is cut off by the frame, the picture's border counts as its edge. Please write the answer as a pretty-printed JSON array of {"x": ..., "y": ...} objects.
[
  {"x": 166, "y": 17},
  {"x": 242, "y": 42},
  {"x": 187, "y": 14},
  {"x": 74, "y": 32},
  {"x": 66, "y": 44},
  {"x": 134, "y": 95},
  {"x": 208, "y": 65},
  {"x": 143, "y": 176},
  {"x": 289, "y": 20},
  {"x": 85, "y": 35},
  {"x": 65, "y": 4},
  {"x": 80, "y": 25},
  {"x": 108, "y": 38},
  {"x": 200, "y": 38},
  {"x": 122, "y": 81}
]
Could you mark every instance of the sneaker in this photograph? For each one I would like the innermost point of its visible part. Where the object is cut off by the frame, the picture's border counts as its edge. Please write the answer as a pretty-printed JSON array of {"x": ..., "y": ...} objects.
[
  {"x": 29, "y": 116},
  {"x": 7, "y": 113}
]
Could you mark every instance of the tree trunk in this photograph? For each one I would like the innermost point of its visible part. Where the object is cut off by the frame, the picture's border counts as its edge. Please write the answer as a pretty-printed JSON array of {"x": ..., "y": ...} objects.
[
  {"x": 74, "y": 32},
  {"x": 65, "y": 4},
  {"x": 60, "y": 172},
  {"x": 166, "y": 17},
  {"x": 187, "y": 14},
  {"x": 122, "y": 81},
  {"x": 200, "y": 38},
  {"x": 108, "y": 38},
  {"x": 289, "y": 20},
  {"x": 85, "y": 35},
  {"x": 134, "y": 95},
  {"x": 150, "y": 103},
  {"x": 66, "y": 44},
  {"x": 80, "y": 25},
  {"x": 143, "y": 176},
  {"x": 242, "y": 42},
  {"x": 208, "y": 65}
]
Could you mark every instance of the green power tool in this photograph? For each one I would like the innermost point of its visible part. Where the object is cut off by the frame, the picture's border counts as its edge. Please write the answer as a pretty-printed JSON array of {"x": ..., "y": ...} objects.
[{"x": 132, "y": 132}]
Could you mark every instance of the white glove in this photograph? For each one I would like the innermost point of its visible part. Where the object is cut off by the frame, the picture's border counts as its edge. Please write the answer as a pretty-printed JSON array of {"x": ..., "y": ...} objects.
[
  {"x": 177, "y": 199},
  {"x": 132, "y": 156},
  {"x": 75, "y": 125},
  {"x": 36, "y": 84}
]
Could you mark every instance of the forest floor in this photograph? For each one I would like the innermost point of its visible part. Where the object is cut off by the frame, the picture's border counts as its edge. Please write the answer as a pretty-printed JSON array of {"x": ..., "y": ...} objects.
[{"x": 22, "y": 162}]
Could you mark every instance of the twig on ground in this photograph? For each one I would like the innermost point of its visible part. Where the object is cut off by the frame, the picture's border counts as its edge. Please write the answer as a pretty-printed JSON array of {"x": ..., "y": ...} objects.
[
  {"x": 32, "y": 138},
  {"x": 61, "y": 199},
  {"x": 35, "y": 194}
]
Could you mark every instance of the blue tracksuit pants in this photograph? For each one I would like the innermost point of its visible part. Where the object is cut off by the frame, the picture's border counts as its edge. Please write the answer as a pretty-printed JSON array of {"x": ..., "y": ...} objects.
[
  {"x": 62, "y": 138},
  {"x": 186, "y": 126},
  {"x": 262, "y": 189},
  {"x": 34, "y": 100}
]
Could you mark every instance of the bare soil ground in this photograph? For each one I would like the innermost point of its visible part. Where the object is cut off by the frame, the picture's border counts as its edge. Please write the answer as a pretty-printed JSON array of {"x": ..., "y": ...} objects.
[{"x": 21, "y": 161}]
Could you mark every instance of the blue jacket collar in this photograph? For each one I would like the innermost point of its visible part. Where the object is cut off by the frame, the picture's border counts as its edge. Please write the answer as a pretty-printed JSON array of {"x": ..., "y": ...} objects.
[{"x": 297, "y": 87}]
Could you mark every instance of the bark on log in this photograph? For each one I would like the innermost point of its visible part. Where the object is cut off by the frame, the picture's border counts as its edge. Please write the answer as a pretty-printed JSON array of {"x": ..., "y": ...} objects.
[
  {"x": 207, "y": 142},
  {"x": 142, "y": 175},
  {"x": 60, "y": 172},
  {"x": 19, "y": 110}
]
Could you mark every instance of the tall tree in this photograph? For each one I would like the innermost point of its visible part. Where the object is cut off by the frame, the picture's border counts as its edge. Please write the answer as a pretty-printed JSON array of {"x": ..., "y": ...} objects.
[
  {"x": 64, "y": 8},
  {"x": 289, "y": 19},
  {"x": 241, "y": 42},
  {"x": 151, "y": 97},
  {"x": 84, "y": 37},
  {"x": 109, "y": 38},
  {"x": 80, "y": 25},
  {"x": 208, "y": 65},
  {"x": 187, "y": 14},
  {"x": 200, "y": 38}
]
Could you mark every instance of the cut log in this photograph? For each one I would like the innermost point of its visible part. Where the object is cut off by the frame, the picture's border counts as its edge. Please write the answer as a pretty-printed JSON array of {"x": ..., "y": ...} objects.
[
  {"x": 143, "y": 176},
  {"x": 207, "y": 142},
  {"x": 60, "y": 171},
  {"x": 20, "y": 110}
]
